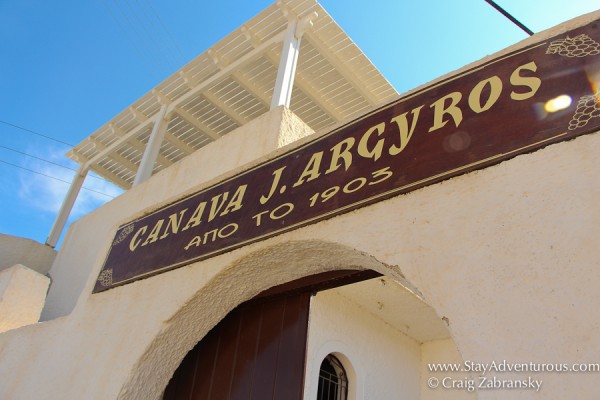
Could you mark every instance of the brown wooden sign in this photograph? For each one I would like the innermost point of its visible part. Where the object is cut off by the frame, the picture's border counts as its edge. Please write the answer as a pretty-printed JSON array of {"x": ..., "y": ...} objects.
[{"x": 518, "y": 103}]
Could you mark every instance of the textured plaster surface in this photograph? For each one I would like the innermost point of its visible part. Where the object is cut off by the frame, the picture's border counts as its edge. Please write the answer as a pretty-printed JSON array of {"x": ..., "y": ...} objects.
[
  {"x": 83, "y": 248},
  {"x": 22, "y": 295},
  {"x": 16, "y": 250},
  {"x": 507, "y": 256},
  {"x": 383, "y": 362},
  {"x": 241, "y": 280},
  {"x": 444, "y": 352}
]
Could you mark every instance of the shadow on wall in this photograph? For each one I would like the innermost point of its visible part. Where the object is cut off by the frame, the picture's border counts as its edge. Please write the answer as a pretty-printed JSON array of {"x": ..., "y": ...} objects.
[{"x": 237, "y": 283}]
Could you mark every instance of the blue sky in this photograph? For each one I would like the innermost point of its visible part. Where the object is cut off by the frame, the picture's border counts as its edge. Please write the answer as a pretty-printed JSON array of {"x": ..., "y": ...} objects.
[{"x": 69, "y": 66}]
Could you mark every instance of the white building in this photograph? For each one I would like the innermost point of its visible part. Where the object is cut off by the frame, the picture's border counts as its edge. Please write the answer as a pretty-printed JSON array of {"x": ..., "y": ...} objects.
[{"x": 266, "y": 230}]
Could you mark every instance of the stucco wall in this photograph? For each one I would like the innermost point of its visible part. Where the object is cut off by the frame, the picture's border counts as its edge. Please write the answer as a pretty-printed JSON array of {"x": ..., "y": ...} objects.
[
  {"x": 83, "y": 249},
  {"x": 506, "y": 255},
  {"x": 444, "y": 385},
  {"x": 382, "y": 363},
  {"x": 16, "y": 250},
  {"x": 22, "y": 295}
]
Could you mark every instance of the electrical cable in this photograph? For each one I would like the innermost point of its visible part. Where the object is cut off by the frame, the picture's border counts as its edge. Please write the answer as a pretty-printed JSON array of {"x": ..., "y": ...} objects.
[
  {"x": 510, "y": 17},
  {"x": 157, "y": 15},
  {"x": 140, "y": 37},
  {"x": 53, "y": 177},
  {"x": 148, "y": 36},
  {"x": 152, "y": 32},
  {"x": 37, "y": 133},
  {"x": 131, "y": 41},
  {"x": 50, "y": 162}
]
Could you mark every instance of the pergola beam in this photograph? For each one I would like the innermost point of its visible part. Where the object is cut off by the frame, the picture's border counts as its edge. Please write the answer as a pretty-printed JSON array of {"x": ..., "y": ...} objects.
[
  {"x": 284, "y": 83},
  {"x": 180, "y": 144},
  {"x": 343, "y": 69},
  {"x": 118, "y": 157},
  {"x": 153, "y": 146},
  {"x": 233, "y": 114},
  {"x": 310, "y": 91},
  {"x": 238, "y": 89},
  {"x": 138, "y": 115},
  {"x": 251, "y": 87},
  {"x": 199, "y": 89},
  {"x": 187, "y": 116},
  {"x": 112, "y": 177},
  {"x": 300, "y": 81},
  {"x": 66, "y": 207},
  {"x": 122, "y": 139},
  {"x": 107, "y": 174},
  {"x": 244, "y": 82},
  {"x": 138, "y": 145},
  {"x": 227, "y": 70}
]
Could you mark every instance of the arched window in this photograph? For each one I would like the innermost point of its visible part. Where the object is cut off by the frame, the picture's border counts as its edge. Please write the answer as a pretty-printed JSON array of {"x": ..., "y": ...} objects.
[{"x": 333, "y": 381}]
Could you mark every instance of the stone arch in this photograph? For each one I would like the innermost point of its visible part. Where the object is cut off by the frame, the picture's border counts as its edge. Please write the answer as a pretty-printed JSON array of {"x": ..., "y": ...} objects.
[{"x": 235, "y": 284}]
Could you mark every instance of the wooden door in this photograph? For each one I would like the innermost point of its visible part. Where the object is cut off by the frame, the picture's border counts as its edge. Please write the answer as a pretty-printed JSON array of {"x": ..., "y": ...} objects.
[{"x": 257, "y": 352}]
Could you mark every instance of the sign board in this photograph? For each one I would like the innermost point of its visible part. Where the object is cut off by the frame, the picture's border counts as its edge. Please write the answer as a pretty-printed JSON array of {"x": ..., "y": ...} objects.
[{"x": 517, "y": 103}]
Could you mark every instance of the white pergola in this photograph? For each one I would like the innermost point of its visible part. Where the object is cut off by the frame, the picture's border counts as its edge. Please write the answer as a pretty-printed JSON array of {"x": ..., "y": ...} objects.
[{"x": 291, "y": 45}]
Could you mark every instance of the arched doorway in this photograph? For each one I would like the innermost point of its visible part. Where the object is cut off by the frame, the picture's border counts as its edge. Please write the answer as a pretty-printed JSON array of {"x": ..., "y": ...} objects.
[
  {"x": 241, "y": 281},
  {"x": 258, "y": 351}
]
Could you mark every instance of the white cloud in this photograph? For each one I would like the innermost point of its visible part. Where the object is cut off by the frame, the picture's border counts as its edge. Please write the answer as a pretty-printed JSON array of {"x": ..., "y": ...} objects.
[{"x": 47, "y": 194}]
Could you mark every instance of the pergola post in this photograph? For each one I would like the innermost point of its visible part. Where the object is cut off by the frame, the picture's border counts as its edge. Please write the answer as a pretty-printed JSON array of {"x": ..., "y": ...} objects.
[
  {"x": 282, "y": 93},
  {"x": 67, "y": 206},
  {"x": 153, "y": 147}
]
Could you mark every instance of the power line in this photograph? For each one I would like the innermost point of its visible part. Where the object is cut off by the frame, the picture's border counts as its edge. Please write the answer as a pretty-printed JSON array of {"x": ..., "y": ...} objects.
[
  {"x": 140, "y": 36},
  {"x": 162, "y": 39},
  {"x": 55, "y": 178},
  {"x": 510, "y": 17},
  {"x": 48, "y": 161},
  {"x": 165, "y": 28},
  {"x": 149, "y": 31},
  {"x": 36, "y": 133},
  {"x": 131, "y": 41}
]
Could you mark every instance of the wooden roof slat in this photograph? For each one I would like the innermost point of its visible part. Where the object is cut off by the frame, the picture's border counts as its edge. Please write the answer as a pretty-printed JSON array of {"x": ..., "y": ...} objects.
[{"x": 232, "y": 83}]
